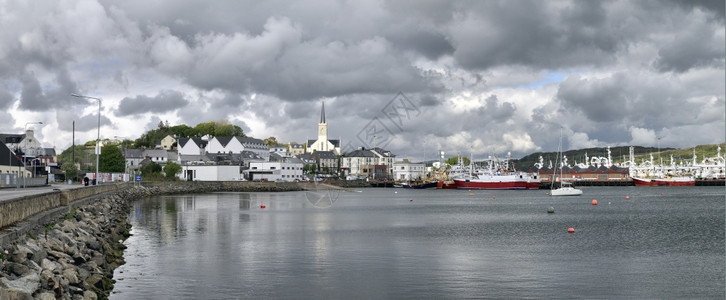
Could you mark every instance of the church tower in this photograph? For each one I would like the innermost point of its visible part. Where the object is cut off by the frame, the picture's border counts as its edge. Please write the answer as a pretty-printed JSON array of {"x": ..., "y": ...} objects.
[{"x": 323, "y": 128}]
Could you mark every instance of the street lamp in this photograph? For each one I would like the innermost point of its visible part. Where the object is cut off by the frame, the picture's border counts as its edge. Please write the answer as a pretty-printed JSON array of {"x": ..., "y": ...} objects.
[
  {"x": 25, "y": 149},
  {"x": 98, "y": 134}
]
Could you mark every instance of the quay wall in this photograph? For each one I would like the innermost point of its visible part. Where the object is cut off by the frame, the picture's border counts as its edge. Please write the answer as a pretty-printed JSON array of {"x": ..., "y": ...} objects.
[{"x": 66, "y": 244}]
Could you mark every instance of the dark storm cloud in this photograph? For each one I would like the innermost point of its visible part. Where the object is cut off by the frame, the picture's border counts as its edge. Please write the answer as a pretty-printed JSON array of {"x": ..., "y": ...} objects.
[
  {"x": 165, "y": 101},
  {"x": 486, "y": 72},
  {"x": 32, "y": 97},
  {"x": 56, "y": 96},
  {"x": 6, "y": 99},
  {"x": 83, "y": 123},
  {"x": 532, "y": 33},
  {"x": 699, "y": 44},
  {"x": 428, "y": 43},
  {"x": 496, "y": 111},
  {"x": 602, "y": 100}
]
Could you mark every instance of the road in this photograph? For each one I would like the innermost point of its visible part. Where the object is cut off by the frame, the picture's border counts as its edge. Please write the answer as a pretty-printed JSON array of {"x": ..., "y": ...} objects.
[{"x": 12, "y": 193}]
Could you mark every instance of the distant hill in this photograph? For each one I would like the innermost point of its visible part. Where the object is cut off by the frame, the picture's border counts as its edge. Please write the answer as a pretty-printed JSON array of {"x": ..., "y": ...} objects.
[{"x": 620, "y": 154}]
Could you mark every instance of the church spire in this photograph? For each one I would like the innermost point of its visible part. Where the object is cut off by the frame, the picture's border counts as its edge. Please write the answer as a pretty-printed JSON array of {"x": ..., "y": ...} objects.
[{"x": 322, "y": 114}]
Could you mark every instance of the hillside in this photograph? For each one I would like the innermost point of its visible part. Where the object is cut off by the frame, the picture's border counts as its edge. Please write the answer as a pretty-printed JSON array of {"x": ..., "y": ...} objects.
[{"x": 620, "y": 154}]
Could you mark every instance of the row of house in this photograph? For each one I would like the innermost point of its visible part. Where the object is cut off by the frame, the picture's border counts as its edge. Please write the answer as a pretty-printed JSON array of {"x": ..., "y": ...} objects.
[{"x": 229, "y": 158}]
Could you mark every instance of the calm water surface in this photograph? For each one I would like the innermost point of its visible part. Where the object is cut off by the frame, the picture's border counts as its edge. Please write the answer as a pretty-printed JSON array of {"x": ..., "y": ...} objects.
[{"x": 444, "y": 244}]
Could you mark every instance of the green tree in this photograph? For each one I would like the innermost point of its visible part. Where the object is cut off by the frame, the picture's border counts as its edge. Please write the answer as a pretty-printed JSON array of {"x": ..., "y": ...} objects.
[
  {"x": 455, "y": 160},
  {"x": 81, "y": 154},
  {"x": 111, "y": 159},
  {"x": 172, "y": 169},
  {"x": 206, "y": 128},
  {"x": 309, "y": 168},
  {"x": 218, "y": 128},
  {"x": 271, "y": 141},
  {"x": 71, "y": 171},
  {"x": 151, "y": 170},
  {"x": 183, "y": 131}
]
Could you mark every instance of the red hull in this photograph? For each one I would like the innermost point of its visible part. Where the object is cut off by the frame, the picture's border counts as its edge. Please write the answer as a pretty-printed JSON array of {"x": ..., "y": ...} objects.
[
  {"x": 446, "y": 185},
  {"x": 663, "y": 182},
  {"x": 501, "y": 185}
]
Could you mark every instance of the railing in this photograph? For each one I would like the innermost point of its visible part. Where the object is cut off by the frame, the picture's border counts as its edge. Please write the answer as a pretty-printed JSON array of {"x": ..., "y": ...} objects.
[
  {"x": 13, "y": 181},
  {"x": 8, "y": 180}
]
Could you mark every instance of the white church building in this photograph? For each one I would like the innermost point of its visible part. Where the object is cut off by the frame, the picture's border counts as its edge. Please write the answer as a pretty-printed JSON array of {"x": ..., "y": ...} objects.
[{"x": 323, "y": 143}]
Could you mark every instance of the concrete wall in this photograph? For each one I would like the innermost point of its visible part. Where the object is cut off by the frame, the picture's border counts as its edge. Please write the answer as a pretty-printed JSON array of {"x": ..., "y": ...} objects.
[{"x": 15, "y": 210}]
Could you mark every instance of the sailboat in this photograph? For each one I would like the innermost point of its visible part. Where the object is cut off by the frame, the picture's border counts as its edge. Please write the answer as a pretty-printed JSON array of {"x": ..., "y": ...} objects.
[{"x": 566, "y": 188}]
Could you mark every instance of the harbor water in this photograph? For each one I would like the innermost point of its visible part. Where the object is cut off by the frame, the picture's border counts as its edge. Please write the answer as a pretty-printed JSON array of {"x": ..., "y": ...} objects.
[{"x": 388, "y": 243}]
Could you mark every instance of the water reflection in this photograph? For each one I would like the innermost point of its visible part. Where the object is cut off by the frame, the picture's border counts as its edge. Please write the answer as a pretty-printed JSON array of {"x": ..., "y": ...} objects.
[{"x": 445, "y": 244}]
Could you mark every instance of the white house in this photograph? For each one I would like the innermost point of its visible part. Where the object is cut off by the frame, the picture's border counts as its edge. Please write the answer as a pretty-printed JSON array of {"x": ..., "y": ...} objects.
[
  {"x": 406, "y": 171},
  {"x": 280, "y": 150},
  {"x": 210, "y": 172},
  {"x": 362, "y": 162},
  {"x": 158, "y": 156},
  {"x": 30, "y": 145},
  {"x": 192, "y": 146},
  {"x": 133, "y": 158},
  {"x": 275, "y": 171}
]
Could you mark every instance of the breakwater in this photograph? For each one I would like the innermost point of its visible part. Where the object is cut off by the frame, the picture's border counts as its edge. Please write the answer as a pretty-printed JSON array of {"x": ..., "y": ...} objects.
[{"x": 70, "y": 246}]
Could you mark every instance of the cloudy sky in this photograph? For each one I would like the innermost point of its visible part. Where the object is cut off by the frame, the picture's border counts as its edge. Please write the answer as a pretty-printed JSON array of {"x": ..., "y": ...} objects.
[{"x": 415, "y": 77}]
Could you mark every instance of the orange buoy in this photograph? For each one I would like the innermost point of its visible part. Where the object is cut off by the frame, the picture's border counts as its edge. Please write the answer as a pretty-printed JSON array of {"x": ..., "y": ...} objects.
[
  {"x": 262, "y": 205},
  {"x": 571, "y": 230},
  {"x": 594, "y": 202},
  {"x": 627, "y": 197}
]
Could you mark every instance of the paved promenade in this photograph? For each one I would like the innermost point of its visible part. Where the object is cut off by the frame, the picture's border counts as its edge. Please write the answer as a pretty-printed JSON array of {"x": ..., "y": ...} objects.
[{"x": 12, "y": 193}]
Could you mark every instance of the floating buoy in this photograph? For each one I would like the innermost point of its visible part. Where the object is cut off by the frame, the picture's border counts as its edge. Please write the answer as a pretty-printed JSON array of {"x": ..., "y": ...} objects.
[
  {"x": 571, "y": 230},
  {"x": 494, "y": 197},
  {"x": 551, "y": 210},
  {"x": 594, "y": 202},
  {"x": 661, "y": 194},
  {"x": 262, "y": 205},
  {"x": 410, "y": 200},
  {"x": 627, "y": 197}
]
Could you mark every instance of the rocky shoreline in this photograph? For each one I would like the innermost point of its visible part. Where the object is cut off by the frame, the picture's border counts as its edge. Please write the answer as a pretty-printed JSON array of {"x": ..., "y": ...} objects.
[{"x": 74, "y": 256}]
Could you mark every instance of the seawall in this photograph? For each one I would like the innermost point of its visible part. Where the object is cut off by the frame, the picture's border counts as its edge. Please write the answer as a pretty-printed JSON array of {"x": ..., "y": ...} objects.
[{"x": 66, "y": 244}]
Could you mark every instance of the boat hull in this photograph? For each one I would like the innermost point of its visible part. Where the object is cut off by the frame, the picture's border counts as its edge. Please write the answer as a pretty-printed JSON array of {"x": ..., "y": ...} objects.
[
  {"x": 566, "y": 191},
  {"x": 494, "y": 183},
  {"x": 423, "y": 185},
  {"x": 675, "y": 181},
  {"x": 446, "y": 185}
]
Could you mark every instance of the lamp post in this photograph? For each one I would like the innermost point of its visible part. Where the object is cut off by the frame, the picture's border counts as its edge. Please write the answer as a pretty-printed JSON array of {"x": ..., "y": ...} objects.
[
  {"x": 98, "y": 134},
  {"x": 25, "y": 148}
]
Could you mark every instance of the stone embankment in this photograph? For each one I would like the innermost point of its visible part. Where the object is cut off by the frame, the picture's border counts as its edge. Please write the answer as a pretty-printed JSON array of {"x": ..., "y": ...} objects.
[{"x": 70, "y": 253}]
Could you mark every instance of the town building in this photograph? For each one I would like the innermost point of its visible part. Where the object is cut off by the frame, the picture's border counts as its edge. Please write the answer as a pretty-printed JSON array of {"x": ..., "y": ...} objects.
[
  {"x": 405, "y": 170},
  {"x": 225, "y": 144},
  {"x": 373, "y": 163},
  {"x": 326, "y": 161},
  {"x": 295, "y": 149},
  {"x": 167, "y": 143},
  {"x": 280, "y": 150},
  {"x": 289, "y": 171}
]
